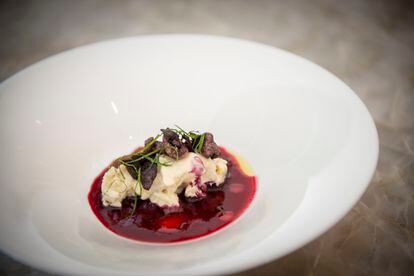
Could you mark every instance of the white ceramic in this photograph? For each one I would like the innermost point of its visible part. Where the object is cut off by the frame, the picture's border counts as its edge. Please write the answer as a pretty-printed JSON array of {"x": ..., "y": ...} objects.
[{"x": 308, "y": 137}]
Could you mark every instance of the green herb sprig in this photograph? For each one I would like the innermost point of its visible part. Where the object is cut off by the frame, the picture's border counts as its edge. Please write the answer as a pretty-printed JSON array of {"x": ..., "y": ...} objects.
[
  {"x": 199, "y": 143},
  {"x": 138, "y": 183},
  {"x": 197, "y": 139}
]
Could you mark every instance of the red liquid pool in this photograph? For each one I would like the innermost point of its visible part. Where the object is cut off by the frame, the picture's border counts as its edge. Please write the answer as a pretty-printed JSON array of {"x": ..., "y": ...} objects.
[{"x": 191, "y": 220}]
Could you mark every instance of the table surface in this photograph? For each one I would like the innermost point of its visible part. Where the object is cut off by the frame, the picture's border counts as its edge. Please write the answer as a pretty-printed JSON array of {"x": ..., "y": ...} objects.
[{"x": 368, "y": 44}]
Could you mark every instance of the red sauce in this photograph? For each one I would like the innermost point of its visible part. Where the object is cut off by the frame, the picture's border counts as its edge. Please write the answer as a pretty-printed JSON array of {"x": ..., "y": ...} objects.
[{"x": 191, "y": 220}]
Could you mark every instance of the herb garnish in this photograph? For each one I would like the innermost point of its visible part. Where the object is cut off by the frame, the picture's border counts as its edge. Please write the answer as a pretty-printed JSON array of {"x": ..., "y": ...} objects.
[
  {"x": 199, "y": 143},
  {"x": 197, "y": 139},
  {"x": 135, "y": 192}
]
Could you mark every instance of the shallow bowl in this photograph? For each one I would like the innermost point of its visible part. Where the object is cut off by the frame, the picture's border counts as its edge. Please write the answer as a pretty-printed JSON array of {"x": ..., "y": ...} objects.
[{"x": 309, "y": 139}]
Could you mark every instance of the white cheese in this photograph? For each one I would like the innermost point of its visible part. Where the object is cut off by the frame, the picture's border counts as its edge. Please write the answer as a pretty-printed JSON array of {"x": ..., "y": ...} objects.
[
  {"x": 190, "y": 173},
  {"x": 116, "y": 185}
]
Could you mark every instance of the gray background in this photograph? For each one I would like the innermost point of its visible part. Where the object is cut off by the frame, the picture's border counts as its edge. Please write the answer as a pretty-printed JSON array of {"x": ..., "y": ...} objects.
[{"x": 368, "y": 44}]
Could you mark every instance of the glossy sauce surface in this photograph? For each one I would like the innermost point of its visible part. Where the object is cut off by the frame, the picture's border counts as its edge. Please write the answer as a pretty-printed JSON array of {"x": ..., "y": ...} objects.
[{"x": 150, "y": 223}]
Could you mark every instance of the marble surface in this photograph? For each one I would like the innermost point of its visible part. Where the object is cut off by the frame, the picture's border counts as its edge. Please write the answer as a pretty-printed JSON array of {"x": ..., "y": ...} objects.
[{"x": 368, "y": 44}]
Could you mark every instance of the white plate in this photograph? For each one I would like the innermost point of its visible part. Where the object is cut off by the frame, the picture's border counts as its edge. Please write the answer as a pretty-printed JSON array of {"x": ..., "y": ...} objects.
[{"x": 308, "y": 137}]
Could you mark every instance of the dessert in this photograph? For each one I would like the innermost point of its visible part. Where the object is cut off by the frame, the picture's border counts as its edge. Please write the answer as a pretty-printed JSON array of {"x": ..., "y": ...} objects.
[{"x": 180, "y": 185}]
